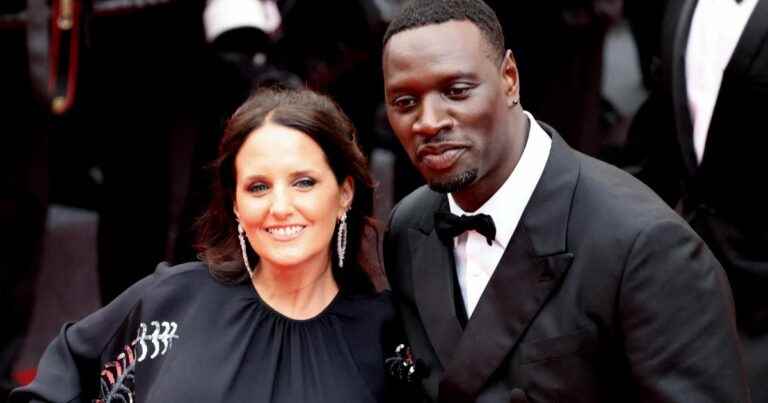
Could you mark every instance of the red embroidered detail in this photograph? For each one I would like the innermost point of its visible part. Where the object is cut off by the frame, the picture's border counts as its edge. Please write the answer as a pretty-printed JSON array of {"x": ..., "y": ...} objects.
[{"x": 117, "y": 378}]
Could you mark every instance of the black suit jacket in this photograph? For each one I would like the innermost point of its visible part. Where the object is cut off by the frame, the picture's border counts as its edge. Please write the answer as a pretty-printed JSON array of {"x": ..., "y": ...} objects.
[
  {"x": 603, "y": 295},
  {"x": 722, "y": 197}
]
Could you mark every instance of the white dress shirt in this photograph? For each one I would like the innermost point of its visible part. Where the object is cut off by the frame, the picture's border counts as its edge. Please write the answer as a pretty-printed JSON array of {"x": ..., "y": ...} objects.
[
  {"x": 475, "y": 259},
  {"x": 715, "y": 31}
]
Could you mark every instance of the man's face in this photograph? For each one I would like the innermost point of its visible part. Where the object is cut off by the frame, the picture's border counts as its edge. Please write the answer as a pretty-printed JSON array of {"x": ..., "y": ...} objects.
[{"x": 449, "y": 104}]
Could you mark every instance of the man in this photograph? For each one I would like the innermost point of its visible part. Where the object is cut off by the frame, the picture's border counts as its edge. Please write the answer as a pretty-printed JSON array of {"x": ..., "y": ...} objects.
[
  {"x": 700, "y": 143},
  {"x": 583, "y": 287}
]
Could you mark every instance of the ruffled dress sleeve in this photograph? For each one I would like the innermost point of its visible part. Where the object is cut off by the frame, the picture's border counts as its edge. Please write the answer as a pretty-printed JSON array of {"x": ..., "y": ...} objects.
[{"x": 96, "y": 356}]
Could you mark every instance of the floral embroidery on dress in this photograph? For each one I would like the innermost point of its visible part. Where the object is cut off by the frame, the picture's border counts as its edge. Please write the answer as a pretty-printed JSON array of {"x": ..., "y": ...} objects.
[
  {"x": 117, "y": 377},
  {"x": 162, "y": 333}
]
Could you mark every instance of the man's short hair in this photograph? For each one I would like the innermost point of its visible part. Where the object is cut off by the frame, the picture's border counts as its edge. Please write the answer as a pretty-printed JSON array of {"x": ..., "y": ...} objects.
[{"x": 419, "y": 13}]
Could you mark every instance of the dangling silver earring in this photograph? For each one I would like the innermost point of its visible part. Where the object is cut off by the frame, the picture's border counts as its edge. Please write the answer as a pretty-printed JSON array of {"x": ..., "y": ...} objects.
[
  {"x": 241, "y": 235},
  {"x": 341, "y": 239}
]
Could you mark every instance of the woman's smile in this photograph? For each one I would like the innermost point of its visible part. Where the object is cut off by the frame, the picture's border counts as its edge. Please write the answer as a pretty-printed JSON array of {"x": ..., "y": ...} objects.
[{"x": 285, "y": 233}]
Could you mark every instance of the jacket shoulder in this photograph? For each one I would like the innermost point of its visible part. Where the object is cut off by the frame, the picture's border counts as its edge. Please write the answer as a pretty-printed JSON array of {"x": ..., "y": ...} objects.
[
  {"x": 415, "y": 209},
  {"x": 623, "y": 200}
]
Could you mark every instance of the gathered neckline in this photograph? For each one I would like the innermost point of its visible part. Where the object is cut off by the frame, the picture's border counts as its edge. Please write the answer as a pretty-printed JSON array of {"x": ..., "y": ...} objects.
[{"x": 323, "y": 312}]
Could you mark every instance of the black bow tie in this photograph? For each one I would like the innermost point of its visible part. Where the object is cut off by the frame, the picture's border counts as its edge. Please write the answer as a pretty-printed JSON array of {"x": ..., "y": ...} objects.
[{"x": 449, "y": 226}]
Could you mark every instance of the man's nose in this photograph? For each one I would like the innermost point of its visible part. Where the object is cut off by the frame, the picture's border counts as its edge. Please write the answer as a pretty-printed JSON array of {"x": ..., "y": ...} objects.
[{"x": 432, "y": 118}]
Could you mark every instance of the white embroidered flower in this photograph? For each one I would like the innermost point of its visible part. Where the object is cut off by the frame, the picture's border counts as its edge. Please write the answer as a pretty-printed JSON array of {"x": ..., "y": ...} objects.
[{"x": 161, "y": 335}]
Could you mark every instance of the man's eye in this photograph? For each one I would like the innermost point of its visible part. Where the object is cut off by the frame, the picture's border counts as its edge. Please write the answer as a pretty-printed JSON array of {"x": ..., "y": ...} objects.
[
  {"x": 404, "y": 103},
  {"x": 458, "y": 91},
  {"x": 305, "y": 183},
  {"x": 258, "y": 187}
]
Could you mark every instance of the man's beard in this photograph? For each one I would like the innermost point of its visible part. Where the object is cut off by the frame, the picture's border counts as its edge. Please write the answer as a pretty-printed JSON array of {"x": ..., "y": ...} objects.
[{"x": 455, "y": 183}]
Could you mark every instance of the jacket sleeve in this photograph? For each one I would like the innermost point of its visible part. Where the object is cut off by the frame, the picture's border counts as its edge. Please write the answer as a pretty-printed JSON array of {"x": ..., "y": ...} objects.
[
  {"x": 652, "y": 151},
  {"x": 677, "y": 317},
  {"x": 69, "y": 368}
]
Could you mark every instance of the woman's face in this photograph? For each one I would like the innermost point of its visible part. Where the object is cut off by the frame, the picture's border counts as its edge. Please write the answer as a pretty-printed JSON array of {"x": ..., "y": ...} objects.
[{"x": 287, "y": 198}]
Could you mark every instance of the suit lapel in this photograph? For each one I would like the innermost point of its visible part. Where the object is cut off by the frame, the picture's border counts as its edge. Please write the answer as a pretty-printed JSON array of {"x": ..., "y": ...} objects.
[
  {"x": 433, "y": 262},
  {"x": 749, "y": 43},
  {"x": 677, "y": 25},
  {"x": 516, "y": 292},
  {"x": 532, "y": 267}
]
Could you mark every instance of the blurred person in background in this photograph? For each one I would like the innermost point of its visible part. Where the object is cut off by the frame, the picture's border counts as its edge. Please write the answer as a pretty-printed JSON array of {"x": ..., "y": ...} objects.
[
  {"x": 102, "y": 103},
  {"x": 699, "y": 141}
]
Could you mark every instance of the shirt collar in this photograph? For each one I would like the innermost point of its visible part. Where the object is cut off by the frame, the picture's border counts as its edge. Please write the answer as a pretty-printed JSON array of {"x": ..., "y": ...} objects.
[{"x": 506, "y": 206}]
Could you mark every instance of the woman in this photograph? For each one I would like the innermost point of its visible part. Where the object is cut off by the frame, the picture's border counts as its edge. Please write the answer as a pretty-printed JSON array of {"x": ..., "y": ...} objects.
[{"x": 280, "y": 310}]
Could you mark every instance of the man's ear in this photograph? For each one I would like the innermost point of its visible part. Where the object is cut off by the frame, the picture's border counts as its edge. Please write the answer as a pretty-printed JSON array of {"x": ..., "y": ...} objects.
[
  {"x": 510, "y": 77},
  {"x": 347, "y": 193}
]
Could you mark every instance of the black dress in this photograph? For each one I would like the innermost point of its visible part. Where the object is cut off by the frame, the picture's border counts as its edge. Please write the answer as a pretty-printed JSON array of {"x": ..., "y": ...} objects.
[{"x": 180, "y": 336}]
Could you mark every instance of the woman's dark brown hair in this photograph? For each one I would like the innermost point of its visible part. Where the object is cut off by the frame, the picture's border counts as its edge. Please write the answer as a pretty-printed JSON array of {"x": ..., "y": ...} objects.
[{"x": 321, "y": 119}]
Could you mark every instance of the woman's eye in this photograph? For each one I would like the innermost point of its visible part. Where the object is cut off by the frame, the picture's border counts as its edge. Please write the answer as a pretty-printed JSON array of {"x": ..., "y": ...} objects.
[
  {"x": 305, "y": 183},
  {"x": 258, "y": 188}
]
